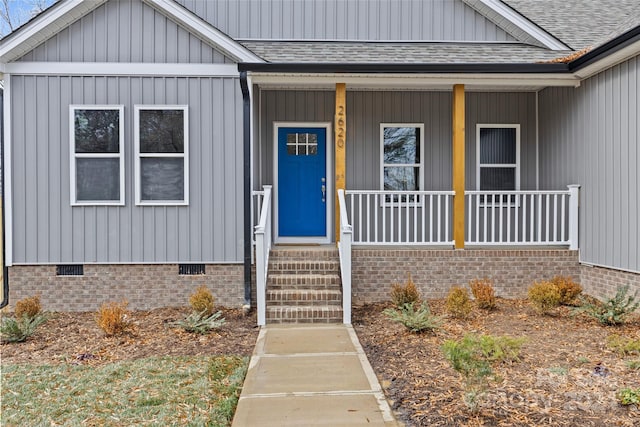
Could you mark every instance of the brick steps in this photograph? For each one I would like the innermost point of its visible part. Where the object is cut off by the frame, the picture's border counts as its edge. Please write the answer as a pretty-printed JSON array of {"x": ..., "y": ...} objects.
[{"x": 304, "y": 286}]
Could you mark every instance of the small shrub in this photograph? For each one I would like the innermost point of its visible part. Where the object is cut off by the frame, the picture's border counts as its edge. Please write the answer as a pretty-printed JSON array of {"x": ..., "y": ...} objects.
[
  {"x": 415, "y": 319},
  {"x": 483, "y": 293},
  {"x": 18, "y": 329},
  {"x": 633, "y": 364},
  {"x": 112, "y": 318},
  {"x": 629, "y": 396},
  {"x": 472, "y": 356},
  {"x": 458, "y": 302},
  {"x": 29, "y": 307},
  {"x": 614, "y": 311},
  {"x": 623, "y": 346},
  {"x": 405, "y": 294},
  {"x": 544, "y": 296},
  {"x": 202, "y": 301},
  {"x": 569, "y": 290},
  {"x": 201, "y": 323}
]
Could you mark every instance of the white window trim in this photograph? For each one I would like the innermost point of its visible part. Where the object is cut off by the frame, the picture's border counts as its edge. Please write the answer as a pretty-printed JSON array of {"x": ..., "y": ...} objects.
[
  {"x": 515, "y": 165},
  {"x": 138, "y": 155},
  {"x": 420, "y": 165},
  {"x": 73, "y": 155}
]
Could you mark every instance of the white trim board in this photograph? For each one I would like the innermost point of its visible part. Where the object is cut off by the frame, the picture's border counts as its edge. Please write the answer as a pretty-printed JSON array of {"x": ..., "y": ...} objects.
[
  {"x": 203, "y": 30},
  {"x": 45, "y": 26},
  {"x": 7, "y": 179},
  {"x": 121, "y": 69},
  {"x": 516, "y": 24},
  {"x": 329, "y": 174}
]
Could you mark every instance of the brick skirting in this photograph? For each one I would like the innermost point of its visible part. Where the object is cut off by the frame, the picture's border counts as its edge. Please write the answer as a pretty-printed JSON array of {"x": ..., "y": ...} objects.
[
  {"x": 435, "y": 271},
  {"x": 604, "y": 282},
  {"x": 373, "y": 273},
  {"x": 144, "y": 286}
]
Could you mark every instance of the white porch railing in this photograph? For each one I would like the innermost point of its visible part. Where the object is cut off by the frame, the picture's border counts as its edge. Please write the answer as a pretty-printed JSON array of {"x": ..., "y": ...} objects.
[
  {"x": 400, "y": 217},
  {"x": 344, "y": 248},
  {"x": 263, "y": 247},
  {"x": 256, "y": 203},
  {"x": 522, "y": 217}
]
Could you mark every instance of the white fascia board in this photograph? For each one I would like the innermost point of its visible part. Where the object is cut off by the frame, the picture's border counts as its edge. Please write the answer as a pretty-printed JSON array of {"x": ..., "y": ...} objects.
[
  {"x": 204, "y": 30},
  {"x": 520, "y": 22},
  {"x": 416, "y": 81},
  {"x": 121, "y": 69},
  {"x": 609, "y": 61},
  {"x": 45, "y": 26}
]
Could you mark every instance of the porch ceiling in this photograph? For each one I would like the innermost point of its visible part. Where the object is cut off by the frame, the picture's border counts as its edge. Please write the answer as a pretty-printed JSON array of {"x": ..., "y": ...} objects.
[{"x": 413, "y": 82}]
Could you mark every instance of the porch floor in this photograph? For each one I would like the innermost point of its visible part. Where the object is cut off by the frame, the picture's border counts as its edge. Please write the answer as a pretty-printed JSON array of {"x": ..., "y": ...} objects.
[{"x": 311, "y": 375}]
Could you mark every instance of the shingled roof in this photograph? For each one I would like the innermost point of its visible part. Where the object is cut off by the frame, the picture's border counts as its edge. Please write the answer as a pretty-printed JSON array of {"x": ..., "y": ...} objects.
[
  {"x": 581, "y": 23},
  {"x": 399, "y": 53}
]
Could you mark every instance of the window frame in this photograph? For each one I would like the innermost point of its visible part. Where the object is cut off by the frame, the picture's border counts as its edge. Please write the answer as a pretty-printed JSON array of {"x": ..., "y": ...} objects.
[
  {"x": 73, "y": 156},
  {"x": 138, "y": 155},
  {"x": 515, "y": 165},
  {"x": 420, "y": 165}
]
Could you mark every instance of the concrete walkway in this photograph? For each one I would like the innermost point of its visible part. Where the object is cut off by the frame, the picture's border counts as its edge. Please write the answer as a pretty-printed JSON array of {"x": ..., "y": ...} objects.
[{"x": 311, "y": 375}]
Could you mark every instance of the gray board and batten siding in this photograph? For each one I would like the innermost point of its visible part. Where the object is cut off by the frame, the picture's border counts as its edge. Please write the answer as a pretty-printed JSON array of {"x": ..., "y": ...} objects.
[
  {"x": 125, "y": 31},
  {"x": 441, "y": 20},
  {"x": 47, "y": 229},
  {"x": 367, "y": 109},
  {"x": 591, "y": 136}
]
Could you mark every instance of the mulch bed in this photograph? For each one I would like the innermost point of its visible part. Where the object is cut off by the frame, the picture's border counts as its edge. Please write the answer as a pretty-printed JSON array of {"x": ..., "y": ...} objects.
[
  {"x": 567, "y": 376},
  {"x": 76, "y": 338}
]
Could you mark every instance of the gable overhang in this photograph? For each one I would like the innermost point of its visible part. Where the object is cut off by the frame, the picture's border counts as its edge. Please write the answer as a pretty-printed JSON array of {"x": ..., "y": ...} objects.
[
  {"x": 516, "y": 24},
  {"x": 44, "y": 26},
  {"x": 66, "y": 12},
  {"x": 207, "y": 33}
]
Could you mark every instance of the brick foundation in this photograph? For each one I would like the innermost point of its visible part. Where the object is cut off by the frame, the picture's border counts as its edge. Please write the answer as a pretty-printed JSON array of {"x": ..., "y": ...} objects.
[
  {"x": 436, "y": 271},
  {"x": 604, "y": 282},
  {"x": 373, "y": 273},
  {"x": 144, "y": 286}
]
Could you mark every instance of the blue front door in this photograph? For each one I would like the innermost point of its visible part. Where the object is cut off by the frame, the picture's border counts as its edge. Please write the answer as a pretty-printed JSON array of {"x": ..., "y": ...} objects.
[{"x": 302, "y": 182}]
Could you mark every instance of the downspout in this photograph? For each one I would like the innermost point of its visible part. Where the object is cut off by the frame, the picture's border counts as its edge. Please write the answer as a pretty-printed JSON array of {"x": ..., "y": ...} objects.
[
  {"x": 246, "y": 169},
  {"x": 5, "y": 270}
]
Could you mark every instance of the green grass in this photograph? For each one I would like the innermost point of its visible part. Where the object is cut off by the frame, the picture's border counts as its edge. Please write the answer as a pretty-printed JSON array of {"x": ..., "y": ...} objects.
[{"x": 167, "y": 391}]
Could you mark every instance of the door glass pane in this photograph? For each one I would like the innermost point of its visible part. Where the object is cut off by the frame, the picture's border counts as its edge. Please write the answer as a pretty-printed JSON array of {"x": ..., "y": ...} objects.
[
  {"x": 162, "y": 178},
  {"x": 161, "y": 131},
  {"x": 302, "y": 144},
  {"x": 401, "y": 145},
  {"x": 401, "y": 178},
  {"x": 497, "y": 179},
  {"x": 98, "y": 179},
  {"x": 498, "y": 145},
  {"x": 97, "y": 131}
]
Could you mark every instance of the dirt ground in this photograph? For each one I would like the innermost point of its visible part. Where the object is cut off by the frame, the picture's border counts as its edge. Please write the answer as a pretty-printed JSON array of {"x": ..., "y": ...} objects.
[{"x": 567, "y": 376}]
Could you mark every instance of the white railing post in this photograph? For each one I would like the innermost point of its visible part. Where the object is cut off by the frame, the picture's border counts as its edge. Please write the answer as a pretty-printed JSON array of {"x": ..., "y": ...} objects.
[
  {"x": 344, "y": 248},
  {"x": 263, "y": 246},
  {"x": 574, "y": 198}
]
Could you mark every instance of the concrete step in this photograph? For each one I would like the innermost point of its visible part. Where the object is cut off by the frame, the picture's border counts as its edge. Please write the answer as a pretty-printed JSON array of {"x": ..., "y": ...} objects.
[
  {"x": 282, "y": 266},
  {"x": 304, "y": 314},
  {"x": 304, "y": 297},
  {"x": 304, "y": 281}
]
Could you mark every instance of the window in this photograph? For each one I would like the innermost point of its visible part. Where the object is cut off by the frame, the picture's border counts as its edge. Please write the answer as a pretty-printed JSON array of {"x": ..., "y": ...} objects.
[
  {"x": 302, "y": 144},
  {"x": 97, "y": 161},
  {"x": 498, "y": 157},
  {"x": 401, "y": 152},
  {"x": 162, "y": 161}
]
